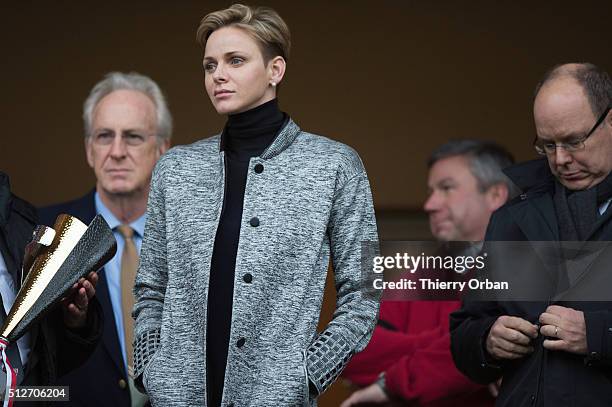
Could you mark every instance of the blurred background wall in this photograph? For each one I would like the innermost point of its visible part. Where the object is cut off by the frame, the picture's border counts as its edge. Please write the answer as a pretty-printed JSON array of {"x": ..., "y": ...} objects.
[
  {"x": 391, "y": 78},
  {"x": 394, "y": 79}
]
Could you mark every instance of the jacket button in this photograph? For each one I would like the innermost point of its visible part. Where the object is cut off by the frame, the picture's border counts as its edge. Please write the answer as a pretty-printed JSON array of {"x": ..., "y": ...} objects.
[
  {"x": 258, "y": 168},
  {"x": 240, "y": 342},
  {"x": 254, "y": 222},
  {"x": 122, "y": 384},
  {"x": 532, "y": 399},
  {"x": 247, "y": 278}
]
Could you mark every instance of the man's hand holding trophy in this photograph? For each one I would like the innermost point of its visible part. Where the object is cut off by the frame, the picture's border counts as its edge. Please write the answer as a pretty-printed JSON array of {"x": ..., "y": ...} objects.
[{"x": 59, "y": 266}]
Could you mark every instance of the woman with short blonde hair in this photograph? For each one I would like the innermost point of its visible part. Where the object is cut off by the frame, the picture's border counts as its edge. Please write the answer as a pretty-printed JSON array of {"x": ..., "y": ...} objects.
[{"x": 241, "y": 228}]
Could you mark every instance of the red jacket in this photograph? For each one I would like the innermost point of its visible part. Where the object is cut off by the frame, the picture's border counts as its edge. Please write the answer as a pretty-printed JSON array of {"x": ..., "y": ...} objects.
[{"x": 412, "y": 345}]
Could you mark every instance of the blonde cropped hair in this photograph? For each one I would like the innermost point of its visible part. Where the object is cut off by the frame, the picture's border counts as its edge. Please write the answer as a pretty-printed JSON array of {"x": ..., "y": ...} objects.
[{"x": 262, "y": 23}]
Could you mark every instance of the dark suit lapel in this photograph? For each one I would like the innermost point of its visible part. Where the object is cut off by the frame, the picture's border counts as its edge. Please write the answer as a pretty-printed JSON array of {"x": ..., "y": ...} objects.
[
  {"x": 84, "y": 208},
  {"x": 86, "y": 211},
  {"x": 110, "y": 339},
  {"x": 601, "y": 232},
  {"x": 602, "y": 221},
  {"x": 6, "y": 254},
  {"x": 5, "y": 208},
  {"x": 17, "y": 221},
  {"x": 539, "y": 224},
  {"x": 536, "y": 218}
]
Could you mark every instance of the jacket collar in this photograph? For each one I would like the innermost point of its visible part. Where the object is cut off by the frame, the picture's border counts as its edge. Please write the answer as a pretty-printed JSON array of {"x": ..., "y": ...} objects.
[
  {"x": 9, "y": 203},
  {"x": 531, "y": 176},
  {"x": 284, "y": 139},
  {"x": 537, "y": 184}
]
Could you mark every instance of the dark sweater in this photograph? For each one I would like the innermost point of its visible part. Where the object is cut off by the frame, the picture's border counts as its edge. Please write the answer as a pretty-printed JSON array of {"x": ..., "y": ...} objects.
[{"x": 245, "y": 135}]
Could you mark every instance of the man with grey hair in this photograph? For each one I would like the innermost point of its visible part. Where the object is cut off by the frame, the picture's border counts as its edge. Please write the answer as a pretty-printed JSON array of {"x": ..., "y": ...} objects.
[
  {"x": 556, "y": 351},
  {"x": 466, "y": 185},
  {"x": 127, "y": 128},
  {"x": 408, "y": 360}
]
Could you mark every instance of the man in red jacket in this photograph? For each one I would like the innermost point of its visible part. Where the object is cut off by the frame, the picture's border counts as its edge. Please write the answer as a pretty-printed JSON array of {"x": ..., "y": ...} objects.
[{"x": 408, "y": 360}]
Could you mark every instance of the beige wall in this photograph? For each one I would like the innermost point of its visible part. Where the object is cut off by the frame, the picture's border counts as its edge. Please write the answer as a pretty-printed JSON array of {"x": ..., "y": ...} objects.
[{"x": 391, "y": 78}]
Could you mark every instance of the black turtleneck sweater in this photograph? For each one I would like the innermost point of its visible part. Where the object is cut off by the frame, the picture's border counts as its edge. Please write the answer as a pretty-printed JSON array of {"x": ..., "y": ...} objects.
[{"x": 245, "y": 135}]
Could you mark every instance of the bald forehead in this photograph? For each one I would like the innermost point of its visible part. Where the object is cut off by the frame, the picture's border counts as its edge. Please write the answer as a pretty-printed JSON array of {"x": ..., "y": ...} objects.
[
  {"x": 561, "y": 73},
  {"x": 559, "y": 86},
  {"x": 562, "y": 85},
  {"x": 566, "y": 69},
  {"x": 561, "y": 95}
]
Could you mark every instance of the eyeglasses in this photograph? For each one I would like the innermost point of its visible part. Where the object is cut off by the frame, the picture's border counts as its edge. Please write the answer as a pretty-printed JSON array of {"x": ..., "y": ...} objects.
[
  {"x": 544, "y": 148},
  {"x": 130, "y": 139}
]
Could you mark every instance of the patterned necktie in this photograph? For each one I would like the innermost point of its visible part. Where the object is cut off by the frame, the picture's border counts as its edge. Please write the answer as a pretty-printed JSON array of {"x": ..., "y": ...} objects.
[{"x": 129, "y": 264}]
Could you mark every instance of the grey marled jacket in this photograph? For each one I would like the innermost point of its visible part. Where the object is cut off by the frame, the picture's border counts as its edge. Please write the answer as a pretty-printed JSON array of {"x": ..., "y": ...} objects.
[{"x": 312, "y": 200}]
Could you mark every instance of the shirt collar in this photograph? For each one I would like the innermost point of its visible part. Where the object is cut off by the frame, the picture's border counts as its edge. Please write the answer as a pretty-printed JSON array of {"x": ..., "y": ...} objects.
[
  {"x": 138, "y": 225},
  {"x": 604, "y": 206}
]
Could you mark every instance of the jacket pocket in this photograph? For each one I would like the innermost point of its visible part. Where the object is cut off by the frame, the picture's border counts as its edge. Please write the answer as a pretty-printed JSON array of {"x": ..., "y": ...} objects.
[
  {"x": 146, "y": 374},
  {"x": 306, "y": 381},
  {"x": 282, "y": 379}
]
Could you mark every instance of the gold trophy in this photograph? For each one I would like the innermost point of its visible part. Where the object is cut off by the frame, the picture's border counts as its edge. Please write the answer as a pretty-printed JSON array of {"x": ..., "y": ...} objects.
[{"x": 54, "y": 260}]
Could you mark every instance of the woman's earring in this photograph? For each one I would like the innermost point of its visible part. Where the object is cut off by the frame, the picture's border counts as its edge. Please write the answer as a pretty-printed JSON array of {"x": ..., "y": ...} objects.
[{"x": 273, "y": 84}]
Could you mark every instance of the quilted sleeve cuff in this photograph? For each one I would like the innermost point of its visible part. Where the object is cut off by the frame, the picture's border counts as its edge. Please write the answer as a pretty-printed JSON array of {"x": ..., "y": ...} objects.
[
  {"x": 326, "y": 357},
  {"x": 145, "y": 347}
]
